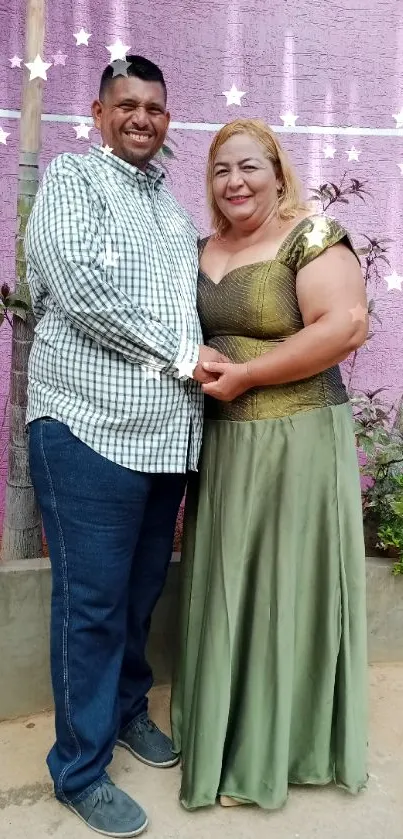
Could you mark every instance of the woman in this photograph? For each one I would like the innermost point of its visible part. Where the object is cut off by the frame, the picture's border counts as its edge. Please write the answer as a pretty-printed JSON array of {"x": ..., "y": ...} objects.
[{"x": 270, "y": 688}]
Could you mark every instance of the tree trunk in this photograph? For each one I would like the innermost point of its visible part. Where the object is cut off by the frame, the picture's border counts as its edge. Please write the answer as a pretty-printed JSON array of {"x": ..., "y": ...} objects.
[
  {"x": 398, "y": 423},
  {"x": 22, "y": 534}
]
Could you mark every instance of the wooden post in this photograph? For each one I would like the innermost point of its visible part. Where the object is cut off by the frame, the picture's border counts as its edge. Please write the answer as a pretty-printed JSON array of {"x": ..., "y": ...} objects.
[
  {"x": 22, "y": 534},
  {"x": 398, "y": 423}
]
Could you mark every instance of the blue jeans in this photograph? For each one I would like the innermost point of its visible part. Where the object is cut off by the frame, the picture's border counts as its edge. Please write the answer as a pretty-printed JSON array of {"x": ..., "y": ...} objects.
[{"x": 110, "y": 532}]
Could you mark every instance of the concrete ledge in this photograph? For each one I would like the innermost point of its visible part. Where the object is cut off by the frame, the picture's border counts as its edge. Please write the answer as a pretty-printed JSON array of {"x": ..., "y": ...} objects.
[
  {"x": 24, "y": 629},
  {"x": 385, "y": 612}
]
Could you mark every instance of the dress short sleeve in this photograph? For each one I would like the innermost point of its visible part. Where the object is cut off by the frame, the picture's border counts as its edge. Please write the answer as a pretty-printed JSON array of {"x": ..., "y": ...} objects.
[{"x": 312, "y": 237}]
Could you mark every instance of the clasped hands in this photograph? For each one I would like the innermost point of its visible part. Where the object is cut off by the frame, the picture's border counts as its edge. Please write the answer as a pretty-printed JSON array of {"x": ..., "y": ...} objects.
[{"x": 220, "y": 377}]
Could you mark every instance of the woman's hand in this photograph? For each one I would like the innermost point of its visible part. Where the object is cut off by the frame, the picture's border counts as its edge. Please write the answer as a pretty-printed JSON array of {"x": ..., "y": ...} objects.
[
  {"x": 233, "y": 380},
  {"x": 207, "y": 354}
]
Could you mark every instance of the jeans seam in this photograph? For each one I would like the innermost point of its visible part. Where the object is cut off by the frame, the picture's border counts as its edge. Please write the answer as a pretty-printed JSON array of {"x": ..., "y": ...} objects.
[{"x": 66, "y": 619}]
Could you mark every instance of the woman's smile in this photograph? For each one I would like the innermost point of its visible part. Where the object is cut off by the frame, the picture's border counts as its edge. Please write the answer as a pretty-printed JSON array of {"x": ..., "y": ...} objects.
[{"x": 238, "y": 199}]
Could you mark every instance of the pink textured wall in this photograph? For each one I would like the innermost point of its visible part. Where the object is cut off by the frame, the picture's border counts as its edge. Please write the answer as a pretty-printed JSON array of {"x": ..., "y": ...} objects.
[{"x": 331, "y": 64}]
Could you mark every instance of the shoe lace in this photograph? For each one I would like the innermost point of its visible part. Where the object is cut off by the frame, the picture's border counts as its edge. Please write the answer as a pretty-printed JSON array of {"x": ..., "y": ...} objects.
[
  {"x": 103, "y": 794},
  {"x": 144, "y": 722}
]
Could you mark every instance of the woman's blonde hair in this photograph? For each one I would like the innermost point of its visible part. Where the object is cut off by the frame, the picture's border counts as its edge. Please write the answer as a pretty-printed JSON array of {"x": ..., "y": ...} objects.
[{"x": 290, "y": 202}]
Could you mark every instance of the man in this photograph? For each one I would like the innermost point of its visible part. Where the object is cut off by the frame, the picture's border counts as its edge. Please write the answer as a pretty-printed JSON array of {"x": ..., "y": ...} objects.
[{"x": 115, "y": 420}]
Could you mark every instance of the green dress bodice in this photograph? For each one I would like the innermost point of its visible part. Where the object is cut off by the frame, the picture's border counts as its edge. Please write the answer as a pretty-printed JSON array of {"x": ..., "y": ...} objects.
[{"x": 254, "y": 308}]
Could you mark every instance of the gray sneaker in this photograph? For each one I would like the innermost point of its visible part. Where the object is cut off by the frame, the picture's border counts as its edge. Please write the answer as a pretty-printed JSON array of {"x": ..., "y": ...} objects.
[
  {"x": 144, "y": 740},
  {"x": 108, "y": 810}
]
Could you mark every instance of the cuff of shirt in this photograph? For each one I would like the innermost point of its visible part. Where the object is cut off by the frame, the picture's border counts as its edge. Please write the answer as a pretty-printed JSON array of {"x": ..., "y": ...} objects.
[{"x": 186, "y": 360}]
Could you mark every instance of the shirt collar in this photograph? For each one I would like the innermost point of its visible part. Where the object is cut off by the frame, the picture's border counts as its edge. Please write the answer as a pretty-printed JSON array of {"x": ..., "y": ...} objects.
[{"x": 152, "y": 174}]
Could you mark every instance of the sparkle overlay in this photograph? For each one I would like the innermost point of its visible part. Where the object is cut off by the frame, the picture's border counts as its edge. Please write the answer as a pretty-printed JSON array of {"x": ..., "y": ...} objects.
[
  {"x": 329, "y": 151},
  {"x": 59, "y": 58},
  {"x": 185, "y": 370},
  {"x": 120, "y": 67},
  {"x": 233, "y": 96},
  {"x": 118, "y": 51},
  {"x": 353, "y": 154},
  {"x": 82, "y": 131},
  {"x": 151, "y": 373},
  {"x": 359, "y": 313},
  {"x": 38, "y": 68},
  {"x": 110, "y": 257},
  {"x": 3, "y": 136},
  {"x": 82, "y": 37},
  {"x": 399, "y": 119},
  {"x": 289, "y": 119},
  {"x": 394, "y": 281},
  {"x": 318, "y": 233}
]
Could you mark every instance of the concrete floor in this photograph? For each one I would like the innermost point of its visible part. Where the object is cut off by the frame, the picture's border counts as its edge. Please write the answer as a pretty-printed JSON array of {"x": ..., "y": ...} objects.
[{"x": 28, "y": 809}]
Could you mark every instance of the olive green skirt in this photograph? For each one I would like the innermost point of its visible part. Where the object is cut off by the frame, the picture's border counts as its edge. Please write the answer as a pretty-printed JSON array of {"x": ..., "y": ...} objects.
[{"x": 270, "y": 686}]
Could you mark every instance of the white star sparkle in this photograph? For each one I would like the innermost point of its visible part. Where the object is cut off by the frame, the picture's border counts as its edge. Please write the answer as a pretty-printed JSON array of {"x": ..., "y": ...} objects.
[
  {"x": 185, "y": 368},
  {"x": 38, "y": 68},
  {"x": 400, "y": 165},
  {"x": 16, "y": 61},
  {"x": 3, "y": 136},
  {"x": 82, "y": 131},
  {"x": 59, "y": 58},
  {"x": 319, "y": 231},
  {"x": 234, "y": 95},
  {"x": 399, "y": 119},
  {"x": 152, "y": 373},
  {"x": 118, "y": 51},
  {"x": 329, "y": 151},
  {"x": 82, "y": 37},
  {"x": 359, "y": 313},
  {"x": 120, "y": 68},
  {"x": 106, "y": 150},
  {"x": 110, "y": 257},
  {"x": 289, "y": 119},
  {"x": 394, "y": 281},
  {"x": 353, "y": 153}
]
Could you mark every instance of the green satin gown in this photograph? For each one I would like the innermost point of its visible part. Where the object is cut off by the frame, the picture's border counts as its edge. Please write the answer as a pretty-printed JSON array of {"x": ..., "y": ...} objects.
[{"x": 270, "y": 686}]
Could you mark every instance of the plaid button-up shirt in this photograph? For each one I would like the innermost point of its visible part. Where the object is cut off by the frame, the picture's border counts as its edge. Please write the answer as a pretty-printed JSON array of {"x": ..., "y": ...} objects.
[{"x": 112, "y": 269}]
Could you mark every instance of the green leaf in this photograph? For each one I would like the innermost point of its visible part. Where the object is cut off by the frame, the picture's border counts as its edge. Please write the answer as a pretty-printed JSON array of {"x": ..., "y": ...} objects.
[
  {"x": 16, "y": 300},
  {"x": 18, "y": 311},
  {"x": 1, "y": 317},
  {"x": 166, "y": 151},
  {"x": 367, "y": 445}
]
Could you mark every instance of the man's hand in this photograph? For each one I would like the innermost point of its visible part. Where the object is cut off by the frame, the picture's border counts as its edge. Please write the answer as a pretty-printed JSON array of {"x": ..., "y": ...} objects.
[
  {"x": 231, "y": 380},
  {"x": 207, "y": 354}
]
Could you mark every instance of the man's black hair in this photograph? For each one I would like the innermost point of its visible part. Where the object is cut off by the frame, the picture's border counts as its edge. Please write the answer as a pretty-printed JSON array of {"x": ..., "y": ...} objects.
[{"x": 140, "y": 67}]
